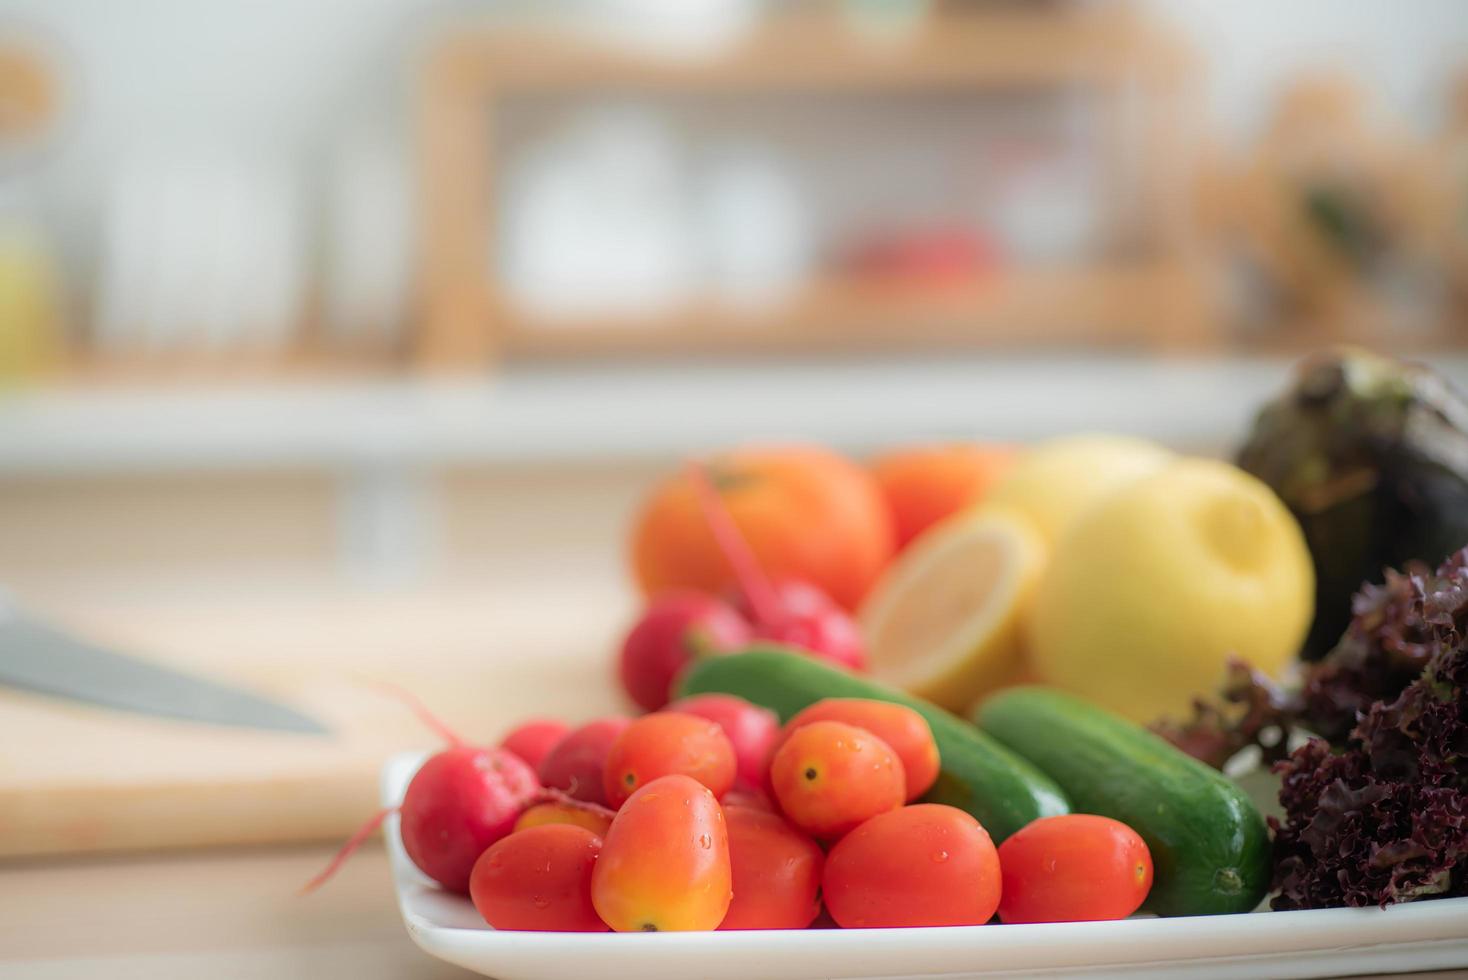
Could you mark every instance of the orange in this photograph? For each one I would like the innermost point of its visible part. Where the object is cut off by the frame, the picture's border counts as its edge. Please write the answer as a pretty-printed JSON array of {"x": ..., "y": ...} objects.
[
  {"x": 925, "y": 484},
  {"x": 806, "y": 512}
]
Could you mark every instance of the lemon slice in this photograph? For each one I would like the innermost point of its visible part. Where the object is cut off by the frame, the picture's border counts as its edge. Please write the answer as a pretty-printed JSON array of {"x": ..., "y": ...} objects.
[{"x": 944, "y": 621}]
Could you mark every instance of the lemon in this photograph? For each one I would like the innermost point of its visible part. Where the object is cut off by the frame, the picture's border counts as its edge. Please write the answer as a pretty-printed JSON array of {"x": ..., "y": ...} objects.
[
  {"x": 945, "y": 620},
  {"x": 1151, "y": 590},
  {"x": 1058, "y": 480}
]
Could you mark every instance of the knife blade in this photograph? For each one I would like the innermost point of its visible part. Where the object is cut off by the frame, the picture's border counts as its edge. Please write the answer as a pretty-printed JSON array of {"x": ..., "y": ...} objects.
[{"x": 39, "y": 658}]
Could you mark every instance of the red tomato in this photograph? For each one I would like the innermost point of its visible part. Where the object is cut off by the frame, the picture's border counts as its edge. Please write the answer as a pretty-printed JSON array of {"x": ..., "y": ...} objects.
[
  {"x": 897, "y": 725},
  {"x": 829, "y": 777},
  {"x": 459, "y": 802},
  {"x": 587, "y": 815},
  {"x": 777, "y": 872},
  {"x": 539, "y": 879},
  {"x": 665, "y": 865},
  {"x": 666, "y": 744},
  {"x": 752, "y": 730},
  {"x": 533, "y": 739},
  {"x": 1074, "y": 868},
  {"x": 575, "y": 763},
  {"x": 922, "y": 865},
  {"x": 746, "y": 797}
]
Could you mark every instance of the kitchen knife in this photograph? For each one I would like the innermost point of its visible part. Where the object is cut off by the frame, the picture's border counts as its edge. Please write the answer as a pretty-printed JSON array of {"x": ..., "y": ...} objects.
[{"x": 37, "y": 657}]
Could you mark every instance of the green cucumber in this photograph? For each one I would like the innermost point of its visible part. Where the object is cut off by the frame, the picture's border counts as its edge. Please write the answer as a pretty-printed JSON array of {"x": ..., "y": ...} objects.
[
  {"x": 1210, "y": 848},
  {"x": 1001, "y": 790}
]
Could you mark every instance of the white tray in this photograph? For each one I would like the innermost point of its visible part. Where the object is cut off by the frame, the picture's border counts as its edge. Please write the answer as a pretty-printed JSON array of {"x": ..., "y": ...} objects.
[{"x": 1429, "y": 935}]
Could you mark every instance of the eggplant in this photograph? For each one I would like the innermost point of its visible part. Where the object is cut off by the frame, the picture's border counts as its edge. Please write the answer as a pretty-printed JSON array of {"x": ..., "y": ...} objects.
[{"x": 1371, "y": 455}]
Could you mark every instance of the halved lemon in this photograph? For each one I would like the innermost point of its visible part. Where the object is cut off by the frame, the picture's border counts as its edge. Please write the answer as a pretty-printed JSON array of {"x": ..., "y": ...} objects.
[{"x": 945, "y": 620}]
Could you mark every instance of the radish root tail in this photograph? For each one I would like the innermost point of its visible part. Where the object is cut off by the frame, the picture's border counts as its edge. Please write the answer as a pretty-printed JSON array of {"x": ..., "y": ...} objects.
[
  {"x": 429, "y": 719},
  {"x": 751, "y": 577},
  {"x": 347, "y": 850}
]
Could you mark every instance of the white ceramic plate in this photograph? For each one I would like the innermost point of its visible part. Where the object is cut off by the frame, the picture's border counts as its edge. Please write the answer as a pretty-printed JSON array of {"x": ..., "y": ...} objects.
[{"x": 1327, "y": 942}]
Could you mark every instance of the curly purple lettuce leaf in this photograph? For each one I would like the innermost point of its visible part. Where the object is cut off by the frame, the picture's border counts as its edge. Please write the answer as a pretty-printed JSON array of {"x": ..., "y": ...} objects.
[
  {"x": 1386, "y": 819},
  {"x": 1391, "y": 638}
]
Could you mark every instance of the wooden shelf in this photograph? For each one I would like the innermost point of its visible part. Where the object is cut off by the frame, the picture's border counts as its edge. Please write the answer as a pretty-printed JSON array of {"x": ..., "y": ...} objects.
[
  {"x": 819, "y": 52},
  {"x": 1123, "y": 304},
  {"x": 467, "y": 319}
]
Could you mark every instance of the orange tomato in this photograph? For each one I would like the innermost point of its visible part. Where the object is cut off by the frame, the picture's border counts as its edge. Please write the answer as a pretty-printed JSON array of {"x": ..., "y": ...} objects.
[
  {"x": 1074, "y": 868},
  {"x": 922, "y": 865},
  {"x": 665, "y": 864},
  {"x": 924, "y": 484},
  {"x": 664, "y": 744},
  {"x": 590, "y": 816},
  {"x": 807, "y": 513},
  {"x": 777, "y": 872},
  {"x": 829, "y": 777},
  {"x": 896, "y": 724},
  {"x": 539, "y": 879}
]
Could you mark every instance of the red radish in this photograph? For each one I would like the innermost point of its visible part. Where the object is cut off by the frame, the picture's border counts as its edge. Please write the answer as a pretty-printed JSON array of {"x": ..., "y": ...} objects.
[
  {"x": 814, "y": 622},
  {"x": 752, "y": 730},
  {"x": 790, "y": 612},
  {"x": 458, "y": 803},
  {"x": 576, "y": 762},
  {"x": 676, "y": 628},
  {"x": 461, "y": 801},
  {"x": 531, "y": 740}
]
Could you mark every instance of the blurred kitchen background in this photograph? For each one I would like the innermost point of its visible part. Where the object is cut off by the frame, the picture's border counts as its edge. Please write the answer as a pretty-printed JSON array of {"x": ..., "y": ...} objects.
[{"x": 353, "y": 328}]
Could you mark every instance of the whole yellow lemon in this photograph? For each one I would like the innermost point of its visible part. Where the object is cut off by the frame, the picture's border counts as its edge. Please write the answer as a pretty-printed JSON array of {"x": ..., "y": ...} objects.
[
  {"x": 1058, "y": 480},
  {"x": 1148, "y": 593}
]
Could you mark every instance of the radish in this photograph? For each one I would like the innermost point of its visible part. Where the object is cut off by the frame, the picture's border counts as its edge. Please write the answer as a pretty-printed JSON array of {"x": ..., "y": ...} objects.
[
  {"x": 676, "y": 628},
  {"x": 751, "y": 729},
  {"x": 531, "y": 740},
  {"x": 576, "y": 762},
  {"x": 461, "y": 800},
  {"x": 812, "y": 621},
  {"x": 791, "y": 612}
]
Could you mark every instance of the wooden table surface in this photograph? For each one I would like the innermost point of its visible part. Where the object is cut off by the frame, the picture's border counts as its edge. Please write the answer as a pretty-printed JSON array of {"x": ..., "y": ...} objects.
[
  {"x": 219, "y": 913},
  {"x": 229, "y": 913}
]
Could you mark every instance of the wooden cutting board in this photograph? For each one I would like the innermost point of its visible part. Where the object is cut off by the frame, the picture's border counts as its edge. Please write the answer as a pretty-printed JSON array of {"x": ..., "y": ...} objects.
[{"x": 75, "y": 778}]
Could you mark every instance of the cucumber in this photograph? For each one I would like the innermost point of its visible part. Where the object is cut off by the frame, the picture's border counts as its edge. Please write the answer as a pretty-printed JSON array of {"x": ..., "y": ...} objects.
[
  {"x": 1001, "y": 790},
  {"x": 1210, "y": 848}
]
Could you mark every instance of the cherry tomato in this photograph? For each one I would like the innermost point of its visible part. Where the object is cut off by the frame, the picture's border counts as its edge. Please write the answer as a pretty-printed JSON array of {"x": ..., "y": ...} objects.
[
  {"x": 896, "y": 724},
  {"x": 752, "y": 730},
  {"x": 744, "y": 796},
  {"x": 533, "y": 739},
  {"x": 575, "y": 763},
  {"x": 665, "y": 865},
  {"x": 829, "y": 777},
  {"x": 539, "y": 879},
  {"x": 777, "y": 872},
  {"x": 921, "y": 865},
  {"x": 1074, "y": 868},
  {"x": 666, "y": 744},
  {"x": 577, "y": 814}
]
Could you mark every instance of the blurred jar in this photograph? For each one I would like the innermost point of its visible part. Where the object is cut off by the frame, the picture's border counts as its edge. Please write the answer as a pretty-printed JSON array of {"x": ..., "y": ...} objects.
[
  {"x": 755, "y": 227},
  {"x": 887, "y": 20},
  {"x": 30, "y": 321},
  {"x": 673, "y": 28}
]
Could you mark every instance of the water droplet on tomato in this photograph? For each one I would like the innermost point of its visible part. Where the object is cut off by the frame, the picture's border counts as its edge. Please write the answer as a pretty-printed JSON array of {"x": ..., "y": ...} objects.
[
  {"x": 939, "y": 856},
  {"x": 705, "y": 841}
]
